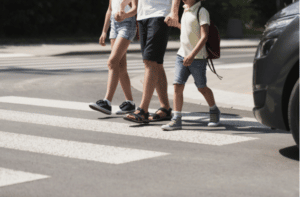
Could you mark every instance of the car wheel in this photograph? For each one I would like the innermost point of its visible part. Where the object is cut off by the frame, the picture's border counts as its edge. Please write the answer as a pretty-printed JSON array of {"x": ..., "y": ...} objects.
[{"x": 293, "y": 113}]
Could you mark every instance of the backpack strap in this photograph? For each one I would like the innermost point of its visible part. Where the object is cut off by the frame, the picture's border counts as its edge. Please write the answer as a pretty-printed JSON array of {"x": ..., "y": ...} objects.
[
  {"x": 198, "y": 12},
  {"x": 211, "y": 64},
  {"x": 212, "y": 68}
]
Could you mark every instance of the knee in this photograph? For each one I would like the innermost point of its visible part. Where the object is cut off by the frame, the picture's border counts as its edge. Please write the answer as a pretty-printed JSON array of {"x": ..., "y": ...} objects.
[{"x": 113, "y": 63}]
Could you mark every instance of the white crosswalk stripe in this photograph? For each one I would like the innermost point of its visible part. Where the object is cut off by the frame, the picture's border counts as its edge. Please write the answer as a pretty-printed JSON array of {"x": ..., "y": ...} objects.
[
  {"x": 71, "y": 149},
  {"x": 96, "y": 152},
  {"x": 56, "y": 63},
  {"x": 11, "y": 177}
]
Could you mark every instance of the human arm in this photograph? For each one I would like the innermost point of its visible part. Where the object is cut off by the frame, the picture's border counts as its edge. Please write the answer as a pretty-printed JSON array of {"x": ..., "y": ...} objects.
[
  {"x": 201, "y": 43},
  {"x": 105, "y": 26},
  {"x": 172, "y": 18},
  {"x": 120, "y": 16}
]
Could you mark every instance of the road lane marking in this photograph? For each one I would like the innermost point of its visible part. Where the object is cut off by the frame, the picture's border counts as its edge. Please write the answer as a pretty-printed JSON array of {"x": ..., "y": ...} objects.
[
  {"x": 9, "y": 55},
  {"x": 123, "y": 129},
  {"x": 72, "y": 105},
  {"x": 73, "y": 149},
  {"x": 11, "y": 177},
  {"x": 82, "y": 106}
]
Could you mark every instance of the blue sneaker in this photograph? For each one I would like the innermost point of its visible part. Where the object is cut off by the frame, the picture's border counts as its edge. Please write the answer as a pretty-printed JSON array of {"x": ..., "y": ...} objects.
[
  {"x": 214, "y": 118},
  {"x": 175, "y": 124}
]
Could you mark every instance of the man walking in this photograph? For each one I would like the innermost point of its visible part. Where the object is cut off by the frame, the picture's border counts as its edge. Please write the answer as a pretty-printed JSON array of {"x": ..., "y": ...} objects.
[{"x": 155, "y": 18}]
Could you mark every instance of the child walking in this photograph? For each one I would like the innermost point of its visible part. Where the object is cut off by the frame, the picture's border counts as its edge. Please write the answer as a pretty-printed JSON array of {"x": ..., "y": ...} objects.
[
  {"x": 122, "y": 21},
  {"x": 191, "y": 60}
]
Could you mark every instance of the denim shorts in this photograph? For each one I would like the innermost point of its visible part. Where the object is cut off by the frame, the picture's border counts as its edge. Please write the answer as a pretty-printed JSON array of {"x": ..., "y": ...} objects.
[
  {"x": 125, "y": 29},
  {"x": 197, "y": 69}
]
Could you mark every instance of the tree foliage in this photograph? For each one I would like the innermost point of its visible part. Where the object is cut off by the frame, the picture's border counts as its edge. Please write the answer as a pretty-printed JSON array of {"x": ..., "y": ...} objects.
[{"x": 78, "y": 17}]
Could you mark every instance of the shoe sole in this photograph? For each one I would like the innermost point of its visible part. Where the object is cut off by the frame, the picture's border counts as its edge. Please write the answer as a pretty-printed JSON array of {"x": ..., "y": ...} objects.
[
  {"x": 105, "y": 111},
  {"x": 124, "y": 112},
  {"x": 171, "y": 129},
  {"x": 140, "y": 122},
  {"x": 214, "y": 125}
]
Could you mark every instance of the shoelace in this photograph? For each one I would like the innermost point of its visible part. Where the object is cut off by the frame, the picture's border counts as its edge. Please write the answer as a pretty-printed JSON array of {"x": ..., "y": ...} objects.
[
  {"x": 214, "y": 117},
  {"x": 123, "y": 104},
  {"x": 173, "y": 122}
]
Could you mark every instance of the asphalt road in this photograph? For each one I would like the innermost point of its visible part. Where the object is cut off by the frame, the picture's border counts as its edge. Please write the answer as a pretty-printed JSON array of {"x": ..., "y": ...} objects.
[{"x": 51, "y": 144}]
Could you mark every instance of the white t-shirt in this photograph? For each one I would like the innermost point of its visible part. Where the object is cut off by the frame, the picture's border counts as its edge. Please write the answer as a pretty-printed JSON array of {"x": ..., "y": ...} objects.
[
  {"x": 190, "y": 31},
  {"x": 115, "y": 6},
  {"x": 153, "y": 8}
]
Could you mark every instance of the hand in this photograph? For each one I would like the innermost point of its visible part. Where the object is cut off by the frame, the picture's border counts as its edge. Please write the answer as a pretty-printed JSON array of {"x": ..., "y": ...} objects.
[
  {"x": 120, "y": 16},
  {"x": 172, "y": 20},
  {"x": 102, "y": 39},
  {"x": 188, "y": 60}
]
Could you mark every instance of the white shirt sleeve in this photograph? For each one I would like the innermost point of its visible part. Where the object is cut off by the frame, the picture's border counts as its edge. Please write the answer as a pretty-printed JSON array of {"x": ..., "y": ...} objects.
[{"x": 204, "y": 17}]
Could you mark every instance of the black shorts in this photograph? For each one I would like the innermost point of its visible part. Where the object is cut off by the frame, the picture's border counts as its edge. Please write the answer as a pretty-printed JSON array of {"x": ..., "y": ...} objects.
[{"x": 154, "y": 35}]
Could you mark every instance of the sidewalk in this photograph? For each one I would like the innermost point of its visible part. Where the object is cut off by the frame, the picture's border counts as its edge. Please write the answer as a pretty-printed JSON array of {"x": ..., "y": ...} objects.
[
  {"x": 95, "y": 48},
  {"x": 234, "y": 91}
]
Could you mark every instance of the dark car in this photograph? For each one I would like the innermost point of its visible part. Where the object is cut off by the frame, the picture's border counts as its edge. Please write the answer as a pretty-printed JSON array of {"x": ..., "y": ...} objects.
[{"x": 276, "y": 73}]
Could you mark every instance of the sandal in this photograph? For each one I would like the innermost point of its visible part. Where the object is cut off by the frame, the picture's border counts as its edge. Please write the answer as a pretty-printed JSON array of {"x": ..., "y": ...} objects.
[
  {"x": 138, "y": 118},
  {"x": 156, "y": 117}
]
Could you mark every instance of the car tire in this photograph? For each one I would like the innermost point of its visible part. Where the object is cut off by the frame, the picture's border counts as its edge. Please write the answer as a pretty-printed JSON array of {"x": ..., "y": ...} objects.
[{"x": 293, "y": 113}]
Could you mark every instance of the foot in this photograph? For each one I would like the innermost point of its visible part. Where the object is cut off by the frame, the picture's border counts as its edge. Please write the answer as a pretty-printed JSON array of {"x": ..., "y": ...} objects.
[
  {"x": 125, "y": 108},
  {"x": 161, "y": 114},
  {"x": 139, "y": 116},
  {"x": 175, "y": 124},
  {"x": 214, "y": 118},
  {"x": 101, "y": 106}
]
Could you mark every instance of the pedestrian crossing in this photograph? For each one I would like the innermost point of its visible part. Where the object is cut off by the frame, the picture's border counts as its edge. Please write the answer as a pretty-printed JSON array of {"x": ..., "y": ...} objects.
[
  {"x": 112, "y": 155},
  {"x": 10, "y": 177},
  {"x": 84, "y": 64},
  {"x": 62, "y": 64}
]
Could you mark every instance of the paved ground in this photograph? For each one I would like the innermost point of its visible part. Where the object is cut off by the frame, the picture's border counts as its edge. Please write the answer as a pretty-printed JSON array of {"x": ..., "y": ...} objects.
[{"x": 52, "y": 144}]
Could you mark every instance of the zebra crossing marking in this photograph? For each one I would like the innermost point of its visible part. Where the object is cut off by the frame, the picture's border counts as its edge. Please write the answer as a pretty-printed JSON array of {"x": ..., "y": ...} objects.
[
  {"x": 123, "y": 129},
  {"x": 73, "y": 149},
  {"x": 11, "y": 177},
  {"x": 10, "y": 55}
]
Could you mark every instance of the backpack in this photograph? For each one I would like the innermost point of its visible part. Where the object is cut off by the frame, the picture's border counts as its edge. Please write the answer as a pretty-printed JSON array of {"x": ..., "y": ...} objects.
[{"x": 212, "y": 44}]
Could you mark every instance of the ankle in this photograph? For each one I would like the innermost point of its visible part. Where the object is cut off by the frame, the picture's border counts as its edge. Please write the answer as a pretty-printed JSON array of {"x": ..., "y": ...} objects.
[{"x": 108, "y": 102}]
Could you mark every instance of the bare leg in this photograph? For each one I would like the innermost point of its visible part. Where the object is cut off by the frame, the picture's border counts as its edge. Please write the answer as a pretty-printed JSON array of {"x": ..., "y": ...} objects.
[
  {"x": 150, "y": 80},
  {"x": 208, "y": 95},
  {"x": 119, "y": 49},
  {"x": 124, "y": 79},
  {"x": 162, "y": 87},
  {"x": 178, "y": 97}
]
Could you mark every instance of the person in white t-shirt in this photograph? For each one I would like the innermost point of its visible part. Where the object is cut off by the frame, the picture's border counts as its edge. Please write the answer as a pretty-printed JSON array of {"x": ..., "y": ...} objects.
[
  {"x": 191, "y": 60},
  {"x": 154, "y": 18}
]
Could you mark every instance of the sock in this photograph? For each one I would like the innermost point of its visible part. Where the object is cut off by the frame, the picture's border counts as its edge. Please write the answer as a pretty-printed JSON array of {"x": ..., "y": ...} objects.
[
  {"x": 213, "y": 107},
  {"x": 177, "y": 114},
  {"x": 108, "y": 102},
  {"x": 131, "y": 102}
]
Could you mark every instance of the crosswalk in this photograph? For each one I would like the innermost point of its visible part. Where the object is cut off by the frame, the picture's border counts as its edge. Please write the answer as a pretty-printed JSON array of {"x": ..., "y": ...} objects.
[
  {"x": 112, "y": 155},
  {"x": 83, "y": 64},
  {"x": 63, "y": 64}
]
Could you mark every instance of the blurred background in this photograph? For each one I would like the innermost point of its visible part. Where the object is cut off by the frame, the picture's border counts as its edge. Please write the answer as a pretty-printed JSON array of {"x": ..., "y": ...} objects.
[{"x": 69, "y": 21}]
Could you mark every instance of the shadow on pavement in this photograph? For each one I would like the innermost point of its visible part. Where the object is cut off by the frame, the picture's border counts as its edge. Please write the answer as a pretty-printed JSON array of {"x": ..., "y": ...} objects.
[
  {"x": 197, "y": 121},
  {"x": 290, "y": 152}
]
